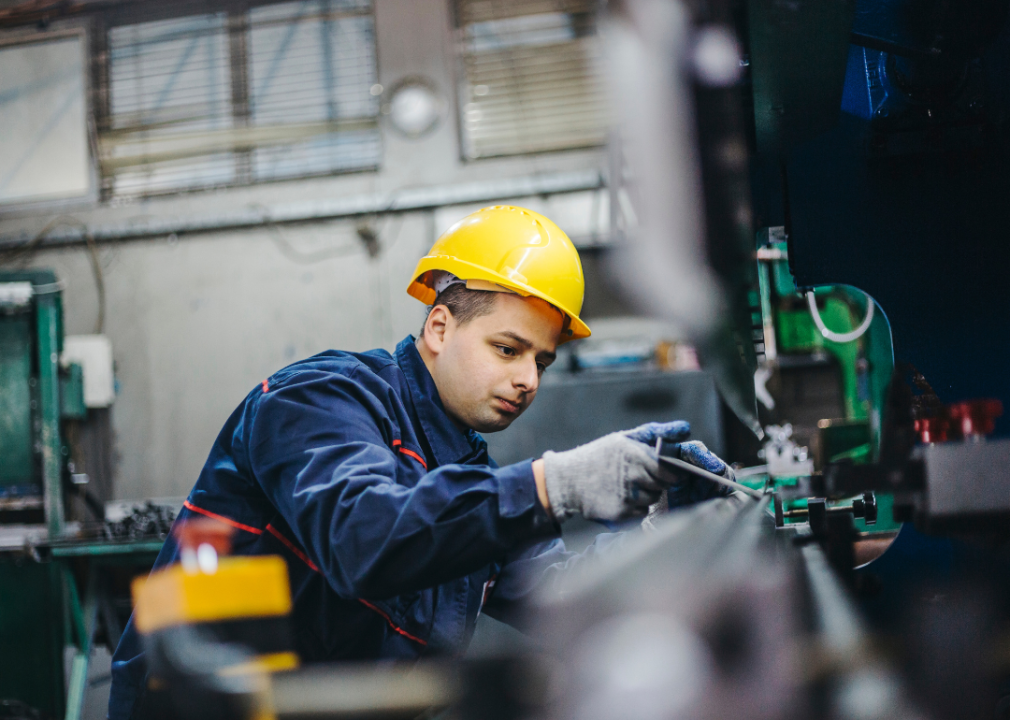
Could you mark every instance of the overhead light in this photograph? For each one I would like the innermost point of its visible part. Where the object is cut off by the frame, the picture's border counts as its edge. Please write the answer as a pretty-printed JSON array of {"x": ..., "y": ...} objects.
[{"x": 414, "y": 106}]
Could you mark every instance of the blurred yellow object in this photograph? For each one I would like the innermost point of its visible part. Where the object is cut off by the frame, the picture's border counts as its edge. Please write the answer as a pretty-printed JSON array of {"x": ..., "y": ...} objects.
[
  {"x": 241, "y": 587},
  {"x": 270, "y": 663},
  {"x": 508, "y": 248}
]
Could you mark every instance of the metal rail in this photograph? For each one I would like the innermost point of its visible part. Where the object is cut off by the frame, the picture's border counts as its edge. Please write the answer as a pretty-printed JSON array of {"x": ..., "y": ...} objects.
[
  {"x": 865, "y": 687},
  {"x": 399, "y": 201},
  {"x": 363, "y": 691}
]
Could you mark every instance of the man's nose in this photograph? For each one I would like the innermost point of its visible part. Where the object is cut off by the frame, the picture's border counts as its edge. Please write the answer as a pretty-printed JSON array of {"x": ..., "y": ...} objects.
[{"x": 527, "y": 378}]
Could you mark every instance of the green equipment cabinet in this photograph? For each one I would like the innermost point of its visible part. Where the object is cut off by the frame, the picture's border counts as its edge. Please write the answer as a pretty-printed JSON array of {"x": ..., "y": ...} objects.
[
  {"x": 39, "y": 611},
  {"x": 31, "y": 442}
]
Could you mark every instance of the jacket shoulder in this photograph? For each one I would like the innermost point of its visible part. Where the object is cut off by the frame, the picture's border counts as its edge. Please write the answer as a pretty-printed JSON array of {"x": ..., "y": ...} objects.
[
  {"x": 366, "y": 387},
  {"x": 361, "y": 367}
]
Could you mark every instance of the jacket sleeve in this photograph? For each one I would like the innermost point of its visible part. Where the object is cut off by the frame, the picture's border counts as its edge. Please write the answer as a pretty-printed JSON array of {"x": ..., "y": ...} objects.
[
  {"x": 538, "y": 569},
  {"x": 320, "y": 445}
]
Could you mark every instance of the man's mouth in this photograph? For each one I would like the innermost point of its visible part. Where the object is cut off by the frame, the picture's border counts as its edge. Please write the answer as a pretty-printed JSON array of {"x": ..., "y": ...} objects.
[{"x": 508, "y": 405}]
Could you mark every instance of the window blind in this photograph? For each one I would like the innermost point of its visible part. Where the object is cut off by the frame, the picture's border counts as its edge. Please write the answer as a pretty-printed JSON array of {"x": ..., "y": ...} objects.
[
  {"x": 529, "y": 70},
  {"x": 273, "y": 92}
]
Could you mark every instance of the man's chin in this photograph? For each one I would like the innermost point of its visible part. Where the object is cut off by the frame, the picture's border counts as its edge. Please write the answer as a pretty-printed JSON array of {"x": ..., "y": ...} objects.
[{"x": 499, "y": 422}]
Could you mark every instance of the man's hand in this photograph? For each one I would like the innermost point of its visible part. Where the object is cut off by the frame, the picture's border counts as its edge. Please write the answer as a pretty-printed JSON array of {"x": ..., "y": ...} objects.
[
  {"x": 688, "y": 489},
  {"x": 615, "y": 477}
]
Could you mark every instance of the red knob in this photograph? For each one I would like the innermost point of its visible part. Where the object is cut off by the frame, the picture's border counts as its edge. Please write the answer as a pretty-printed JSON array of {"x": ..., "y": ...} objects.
[
  {"x": 933, "y": 429},
  {"x": 976, "y": 417},
  {"x": 191, "y": 534}
]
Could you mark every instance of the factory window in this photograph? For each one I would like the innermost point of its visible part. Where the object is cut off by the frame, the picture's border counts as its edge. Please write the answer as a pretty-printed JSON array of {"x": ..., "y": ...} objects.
[
  {"x": 529, "y": 80},
  {"x": 231, "y": 98}
]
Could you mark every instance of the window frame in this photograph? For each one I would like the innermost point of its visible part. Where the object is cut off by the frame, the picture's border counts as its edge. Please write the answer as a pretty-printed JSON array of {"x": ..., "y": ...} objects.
[
  {"x": 462, "y": 84},
  {"x": 236, "y": 24},
  {"x": 28, "y": 35}
]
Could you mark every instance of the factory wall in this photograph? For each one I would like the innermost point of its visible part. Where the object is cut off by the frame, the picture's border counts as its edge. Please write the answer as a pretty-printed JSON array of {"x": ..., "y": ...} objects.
[{"x": 196, "y": 322}]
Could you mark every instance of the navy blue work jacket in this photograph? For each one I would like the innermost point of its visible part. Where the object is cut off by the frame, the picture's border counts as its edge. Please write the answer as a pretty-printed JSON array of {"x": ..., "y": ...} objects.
[{"x": 397, "y": 528}]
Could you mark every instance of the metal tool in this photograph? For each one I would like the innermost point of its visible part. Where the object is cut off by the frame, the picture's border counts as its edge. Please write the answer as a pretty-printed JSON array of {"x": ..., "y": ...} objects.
[{"x": 701, "y": 472}]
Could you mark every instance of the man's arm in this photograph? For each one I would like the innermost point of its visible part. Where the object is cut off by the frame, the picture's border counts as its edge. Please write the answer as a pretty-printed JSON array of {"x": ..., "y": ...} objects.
[
  {"x": 316, "y": 448},
  {"x": 539, "y": 567}
]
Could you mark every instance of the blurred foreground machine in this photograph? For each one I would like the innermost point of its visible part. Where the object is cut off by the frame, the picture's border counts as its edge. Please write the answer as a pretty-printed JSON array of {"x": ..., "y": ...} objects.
[{"x": 769, "y": 633}]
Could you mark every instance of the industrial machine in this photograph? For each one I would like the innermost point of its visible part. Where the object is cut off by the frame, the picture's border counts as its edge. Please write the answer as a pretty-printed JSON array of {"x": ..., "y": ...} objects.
[
  {"x": 864, "y": 144},
  {"x": 64, "y": 571},
  {"x": 37, "y": 396},
  {"x": 36, "y": 400}
]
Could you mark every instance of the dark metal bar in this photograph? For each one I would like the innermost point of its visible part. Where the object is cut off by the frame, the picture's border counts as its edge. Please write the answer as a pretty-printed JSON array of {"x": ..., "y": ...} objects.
[{"x": 864, "y": 686}]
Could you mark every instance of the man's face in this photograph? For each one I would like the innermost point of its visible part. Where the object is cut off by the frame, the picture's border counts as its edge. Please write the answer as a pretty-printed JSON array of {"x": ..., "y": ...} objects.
[{"x": 488, "y": 370}]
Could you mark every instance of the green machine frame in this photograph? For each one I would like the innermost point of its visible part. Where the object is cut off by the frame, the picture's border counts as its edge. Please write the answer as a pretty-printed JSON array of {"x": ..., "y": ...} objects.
[
  {"x": 31, "y": 398},
  {"x": 865, "y": 365},
  {"x": 41, "y": 608},
  {"x": 33, "y": 607}
]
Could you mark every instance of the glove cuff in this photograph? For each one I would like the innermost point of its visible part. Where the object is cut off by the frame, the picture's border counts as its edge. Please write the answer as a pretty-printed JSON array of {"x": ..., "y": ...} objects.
[{"x": 556, "y": 483}]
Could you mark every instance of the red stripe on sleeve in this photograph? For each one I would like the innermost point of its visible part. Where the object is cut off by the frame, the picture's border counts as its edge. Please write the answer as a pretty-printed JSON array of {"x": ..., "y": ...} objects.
[
  {"x": 411, "y": 453},
  {"x": 304, "y": 558},
  {"x": 399, "y": 630},
  {"x": 228, "y": 521},
  {"x": 292, "y": 547}
]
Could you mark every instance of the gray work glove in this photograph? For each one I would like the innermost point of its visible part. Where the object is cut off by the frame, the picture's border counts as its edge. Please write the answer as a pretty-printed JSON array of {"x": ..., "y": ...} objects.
[
  {"x": 612, "y": 478},
  {"x": 689, "y": 489}
]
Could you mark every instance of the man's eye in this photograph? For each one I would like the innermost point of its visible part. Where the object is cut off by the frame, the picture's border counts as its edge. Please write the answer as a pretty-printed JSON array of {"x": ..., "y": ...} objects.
[
  {"x": 541, "y": 368},
  {"x": 506, "y": 351}
]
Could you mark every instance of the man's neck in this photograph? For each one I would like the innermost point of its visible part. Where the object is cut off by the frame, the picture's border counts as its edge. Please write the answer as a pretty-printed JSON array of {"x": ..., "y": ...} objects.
[
  {"x": 426, "y": 357},
  {"x": 429, "y": 362}
]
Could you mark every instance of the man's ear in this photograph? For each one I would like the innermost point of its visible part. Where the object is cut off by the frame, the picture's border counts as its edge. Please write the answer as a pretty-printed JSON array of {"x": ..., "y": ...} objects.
[{"x": 440, "y": 322}]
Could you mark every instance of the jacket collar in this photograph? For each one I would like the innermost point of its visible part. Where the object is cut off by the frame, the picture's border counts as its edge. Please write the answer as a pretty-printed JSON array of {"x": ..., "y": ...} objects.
[{"x": 448, "y": 442}]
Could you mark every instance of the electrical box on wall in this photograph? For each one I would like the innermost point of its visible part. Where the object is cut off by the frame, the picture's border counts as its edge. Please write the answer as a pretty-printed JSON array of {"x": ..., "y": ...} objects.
[{"x": 94, "y": 355}]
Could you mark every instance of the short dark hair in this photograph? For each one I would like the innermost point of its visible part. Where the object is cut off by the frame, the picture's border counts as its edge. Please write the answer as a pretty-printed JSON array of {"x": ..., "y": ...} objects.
[{"x": 464, "y": 304}]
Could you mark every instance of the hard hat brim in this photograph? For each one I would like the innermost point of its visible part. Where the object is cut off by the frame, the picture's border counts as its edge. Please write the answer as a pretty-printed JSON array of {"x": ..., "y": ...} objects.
[{"x": 576, "y": 329}]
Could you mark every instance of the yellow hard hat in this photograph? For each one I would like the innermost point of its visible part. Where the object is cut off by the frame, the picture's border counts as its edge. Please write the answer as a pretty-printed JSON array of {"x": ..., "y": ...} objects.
[{"x": 509, "y": 248}]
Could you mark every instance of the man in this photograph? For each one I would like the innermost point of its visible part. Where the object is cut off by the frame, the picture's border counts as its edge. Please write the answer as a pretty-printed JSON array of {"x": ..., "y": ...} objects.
[{"x": 366, "y": 473}]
